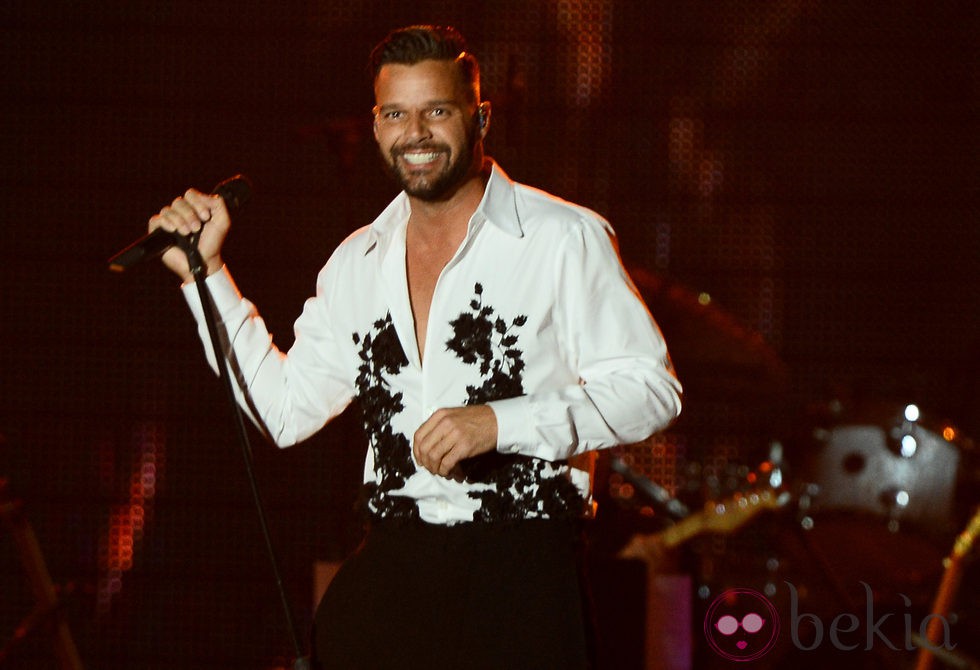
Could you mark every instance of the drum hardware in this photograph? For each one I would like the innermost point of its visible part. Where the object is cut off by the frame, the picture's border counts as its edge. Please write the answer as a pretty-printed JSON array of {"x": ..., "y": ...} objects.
[
  {"x": 804, "y": 503},
  {"x": 650, "y": 489},
  {"x": 895, "y": 501},
  {"x": 878, "y": 492},
  {"x": 884, "y": 463},
  {"x": 903, "y": 438}
]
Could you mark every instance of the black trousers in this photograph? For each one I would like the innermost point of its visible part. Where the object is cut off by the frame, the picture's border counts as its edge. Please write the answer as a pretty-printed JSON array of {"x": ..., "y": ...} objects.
[{"x": 473, "y": 596}]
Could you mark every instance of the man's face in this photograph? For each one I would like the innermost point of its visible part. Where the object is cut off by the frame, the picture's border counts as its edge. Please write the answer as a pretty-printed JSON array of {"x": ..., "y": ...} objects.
[{"x": 426, "y": 127}]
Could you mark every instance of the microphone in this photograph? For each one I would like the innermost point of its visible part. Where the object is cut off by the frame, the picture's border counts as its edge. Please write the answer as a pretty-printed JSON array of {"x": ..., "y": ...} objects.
[{"x": 235, "y": 191}]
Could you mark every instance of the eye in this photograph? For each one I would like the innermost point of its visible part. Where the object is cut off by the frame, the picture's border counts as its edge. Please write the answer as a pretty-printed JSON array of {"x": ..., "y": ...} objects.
[
  {"x": 727, "y": 625},
  {"x": 438, "y": 113},
  {"x": 752, "y": 623}
]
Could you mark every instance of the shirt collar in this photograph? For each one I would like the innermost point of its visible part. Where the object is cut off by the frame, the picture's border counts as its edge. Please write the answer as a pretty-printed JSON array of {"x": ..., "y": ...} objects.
[{"x": 498, "y": 207}]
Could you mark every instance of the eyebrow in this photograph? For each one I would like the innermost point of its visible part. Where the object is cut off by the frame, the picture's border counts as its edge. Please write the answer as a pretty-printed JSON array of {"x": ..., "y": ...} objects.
[{"x": 431, "y": 103}]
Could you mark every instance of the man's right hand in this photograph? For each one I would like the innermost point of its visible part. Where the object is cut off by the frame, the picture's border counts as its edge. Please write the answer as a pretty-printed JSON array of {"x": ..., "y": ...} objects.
[{"x": 187, "y": 215}]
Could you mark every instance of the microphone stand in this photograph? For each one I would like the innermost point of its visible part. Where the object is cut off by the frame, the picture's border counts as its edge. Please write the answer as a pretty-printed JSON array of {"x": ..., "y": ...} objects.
[{"x": 188, "y": 244}]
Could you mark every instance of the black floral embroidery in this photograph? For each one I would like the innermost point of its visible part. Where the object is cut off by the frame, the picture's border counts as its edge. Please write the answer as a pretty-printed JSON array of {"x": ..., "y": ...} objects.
[
  {"x": 501, "y": 362},
  {"x": 520, "y": 487},
  {"x": 381, "y": 354},
  {"x": 523, "y": 487}
]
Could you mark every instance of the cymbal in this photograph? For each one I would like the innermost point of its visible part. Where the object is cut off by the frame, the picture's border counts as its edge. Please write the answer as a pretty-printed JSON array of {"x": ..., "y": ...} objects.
[{"x": 712, "y": 351}]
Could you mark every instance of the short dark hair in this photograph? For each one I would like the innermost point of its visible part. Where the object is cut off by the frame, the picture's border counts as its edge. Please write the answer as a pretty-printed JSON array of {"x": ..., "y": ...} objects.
[{"x": 414, "y": 44}]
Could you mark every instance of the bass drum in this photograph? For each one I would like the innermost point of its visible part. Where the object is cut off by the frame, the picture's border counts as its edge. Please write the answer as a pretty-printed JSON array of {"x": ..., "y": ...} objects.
[{"x": 877, "y": 502}]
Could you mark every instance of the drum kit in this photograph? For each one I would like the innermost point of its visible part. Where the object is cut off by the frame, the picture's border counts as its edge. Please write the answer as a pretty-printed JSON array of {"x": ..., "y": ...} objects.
[{"x": 856, "y": 508}]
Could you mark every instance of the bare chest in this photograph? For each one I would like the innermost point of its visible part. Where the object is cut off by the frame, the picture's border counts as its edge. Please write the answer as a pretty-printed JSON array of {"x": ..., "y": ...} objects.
[{"x": 424, "y": 268}]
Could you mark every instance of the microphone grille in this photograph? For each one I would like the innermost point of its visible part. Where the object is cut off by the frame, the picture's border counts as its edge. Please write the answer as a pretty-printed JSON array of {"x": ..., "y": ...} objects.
[{"x": 235, "y": 191}]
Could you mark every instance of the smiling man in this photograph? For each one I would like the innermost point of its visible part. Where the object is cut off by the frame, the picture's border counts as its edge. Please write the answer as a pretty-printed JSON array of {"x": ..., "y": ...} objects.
[{"x": 492, "y": 338}]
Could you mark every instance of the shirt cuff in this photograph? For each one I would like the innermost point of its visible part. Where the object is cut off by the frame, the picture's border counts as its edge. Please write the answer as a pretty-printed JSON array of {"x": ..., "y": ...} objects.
[
  {"x": 514, "y": 423},
  {"x": 224, "y": 293}
]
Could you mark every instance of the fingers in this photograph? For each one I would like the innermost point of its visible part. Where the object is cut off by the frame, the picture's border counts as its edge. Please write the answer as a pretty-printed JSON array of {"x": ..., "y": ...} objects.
[
  {"x": 434, "y": 445},
  {"x": 451, "y": 435},
  {"x": 186, "y": 214}
]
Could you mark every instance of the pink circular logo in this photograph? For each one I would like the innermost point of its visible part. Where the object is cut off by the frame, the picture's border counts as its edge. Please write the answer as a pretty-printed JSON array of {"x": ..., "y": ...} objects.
[{"x": 741, "y": 625}]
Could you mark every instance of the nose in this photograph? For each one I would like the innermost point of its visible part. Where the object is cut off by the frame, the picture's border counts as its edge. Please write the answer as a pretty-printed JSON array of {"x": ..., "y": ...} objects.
[{"x": 417, "y": 127}]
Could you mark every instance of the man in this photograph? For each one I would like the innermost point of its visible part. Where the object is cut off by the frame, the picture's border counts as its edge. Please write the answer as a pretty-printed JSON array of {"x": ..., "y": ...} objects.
[{"x": 490, "y": 334}]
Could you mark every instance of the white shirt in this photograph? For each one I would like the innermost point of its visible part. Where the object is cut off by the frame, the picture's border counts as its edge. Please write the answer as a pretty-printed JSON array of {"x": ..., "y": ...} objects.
[{"x": 534, "y": 315}]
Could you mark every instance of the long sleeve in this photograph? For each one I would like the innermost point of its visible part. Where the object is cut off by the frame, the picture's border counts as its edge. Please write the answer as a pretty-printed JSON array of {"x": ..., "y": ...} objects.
[
  {"x": 627, "y": 388},
  {"x": 288, "y": 397}
]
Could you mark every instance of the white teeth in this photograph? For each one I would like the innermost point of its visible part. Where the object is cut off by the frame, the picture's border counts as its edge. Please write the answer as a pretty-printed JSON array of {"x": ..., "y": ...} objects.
[{"x": 420, "y": 159}]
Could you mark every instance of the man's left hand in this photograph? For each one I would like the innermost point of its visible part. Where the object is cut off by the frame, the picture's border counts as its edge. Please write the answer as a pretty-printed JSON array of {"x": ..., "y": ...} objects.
[{"x": 452, "y": 434}]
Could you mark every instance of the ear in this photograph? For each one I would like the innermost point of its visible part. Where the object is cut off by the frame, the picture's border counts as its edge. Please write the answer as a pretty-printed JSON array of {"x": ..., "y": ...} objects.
[{"x": 483, "y": 113}]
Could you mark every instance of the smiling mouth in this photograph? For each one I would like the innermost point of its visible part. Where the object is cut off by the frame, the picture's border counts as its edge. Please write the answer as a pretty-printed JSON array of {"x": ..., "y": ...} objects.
[{"x": 420, "y": 158}]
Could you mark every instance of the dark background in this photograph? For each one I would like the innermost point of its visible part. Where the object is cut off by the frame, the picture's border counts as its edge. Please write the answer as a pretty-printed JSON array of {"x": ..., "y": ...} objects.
[{"x": 793, "y": 184}]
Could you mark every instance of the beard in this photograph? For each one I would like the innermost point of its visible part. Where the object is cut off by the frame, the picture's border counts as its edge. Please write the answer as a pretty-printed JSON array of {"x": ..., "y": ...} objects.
[{"x": 441, "y": 184}]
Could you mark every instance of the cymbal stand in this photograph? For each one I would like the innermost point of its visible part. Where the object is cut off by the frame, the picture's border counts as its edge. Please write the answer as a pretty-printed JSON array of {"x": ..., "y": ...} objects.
[{"x": 48, "y": 612}]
